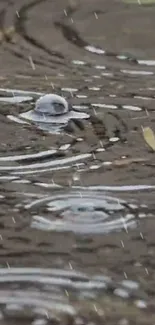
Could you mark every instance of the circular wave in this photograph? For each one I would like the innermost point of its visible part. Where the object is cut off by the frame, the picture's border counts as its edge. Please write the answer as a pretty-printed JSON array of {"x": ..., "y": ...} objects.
[
  {"x": 45, "y": 295},
  {"x": 87, "y": 212}
]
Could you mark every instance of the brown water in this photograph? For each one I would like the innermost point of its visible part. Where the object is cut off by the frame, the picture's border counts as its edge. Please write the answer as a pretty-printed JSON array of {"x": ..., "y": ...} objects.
[{"x": 77, "y": 203}]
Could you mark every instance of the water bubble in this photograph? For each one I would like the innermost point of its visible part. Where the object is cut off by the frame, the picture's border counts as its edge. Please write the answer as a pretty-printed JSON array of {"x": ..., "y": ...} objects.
[{"x": 52, "y": 109}]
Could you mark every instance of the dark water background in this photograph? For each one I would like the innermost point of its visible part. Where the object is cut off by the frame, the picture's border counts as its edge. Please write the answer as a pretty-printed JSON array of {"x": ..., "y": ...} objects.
[{"x": 77, "y": 207}]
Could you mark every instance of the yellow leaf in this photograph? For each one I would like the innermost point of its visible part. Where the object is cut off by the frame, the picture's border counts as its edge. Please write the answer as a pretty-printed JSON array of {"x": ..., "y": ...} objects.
[
  {"x": 149, "y": 137},
  {"x": 1, "y": 36},
  {"x": 9, "y": 33}
]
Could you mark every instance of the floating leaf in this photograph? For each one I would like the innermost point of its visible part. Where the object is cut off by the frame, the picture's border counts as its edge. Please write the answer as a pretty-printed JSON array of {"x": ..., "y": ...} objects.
[
  {"x": 149, "y": 137},
  {"x": 1, "y": 36},
  {"x": 9, "y": 33}
]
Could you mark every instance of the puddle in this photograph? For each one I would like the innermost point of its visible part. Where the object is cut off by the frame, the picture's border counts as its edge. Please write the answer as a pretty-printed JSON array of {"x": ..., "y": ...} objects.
[{"x": 46, "y": 219}]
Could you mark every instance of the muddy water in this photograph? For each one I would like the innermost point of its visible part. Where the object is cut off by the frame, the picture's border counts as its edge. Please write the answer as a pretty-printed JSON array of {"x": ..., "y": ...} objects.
[{"x": 77, "y": 198}]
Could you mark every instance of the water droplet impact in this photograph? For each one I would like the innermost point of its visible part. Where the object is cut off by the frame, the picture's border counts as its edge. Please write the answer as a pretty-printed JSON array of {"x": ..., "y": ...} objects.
[
  {"x": 82, "y": 212},
  {"x": 50, "y": 110}
]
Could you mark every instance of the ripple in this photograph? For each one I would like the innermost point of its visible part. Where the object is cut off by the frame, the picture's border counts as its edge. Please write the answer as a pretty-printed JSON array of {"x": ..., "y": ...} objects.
[
  {"x": 39, "y": 154},
  {"x": 85, "y": 212},
  {"x": 138, "y": 72},
  {"x": 16, "y": 92},
  {"x": 34, "y": 167},
  {"x": 16, "y": 99},
  {"x": 147, "y": 62},
  {"x": 50, "y": 294},
  {"x": 122, "y": 188}
]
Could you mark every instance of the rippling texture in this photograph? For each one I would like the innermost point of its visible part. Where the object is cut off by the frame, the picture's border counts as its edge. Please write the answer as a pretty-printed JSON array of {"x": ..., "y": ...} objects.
[
  {"x": 55, "y": 295},
  {"x": 85, "y": 212},
  {"x": 56, "y": 188}
]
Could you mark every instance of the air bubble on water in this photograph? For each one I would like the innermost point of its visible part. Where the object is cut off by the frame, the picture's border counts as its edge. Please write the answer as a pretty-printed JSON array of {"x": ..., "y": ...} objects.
[
  {"x": 141, "y": 304},
  {"x": 78, "y": 62},
  {"x": 104, "y": 105},
  {"x": 114, "y": 139},
  {"x": 100, "y": 149},
  {"x": 121, "y": 293},
  {"x": 107, "y": 74},
  {"x": 121, "y": 57},
  {"x": 94, "y": 49},
  {"x": 142, "y": 215},
  {"x": 129, "y": 284},
  {"x": 69, "y": 89},
  {"x": 144, "y": 206},
  {"x": 123, "y": 321},
  {"x": 88, "y": 80},
  {"x": 65, "y": 147},
  {"x": 94, "y": 167},
  {"x": 112, "y": 95},
  {"x": 96, "y": 77},
  {"x": 94, "y": 88},
  {"x": 80, "y": 107},
  {"x": 100, "y": 67},
  {"x": 107, "y": 163},
  {"x": 79, "y": 139},
  {"x": 81, "y": 96},
  {"x": 40, "y": 321},
  {"x": 133, "y": 206}
]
